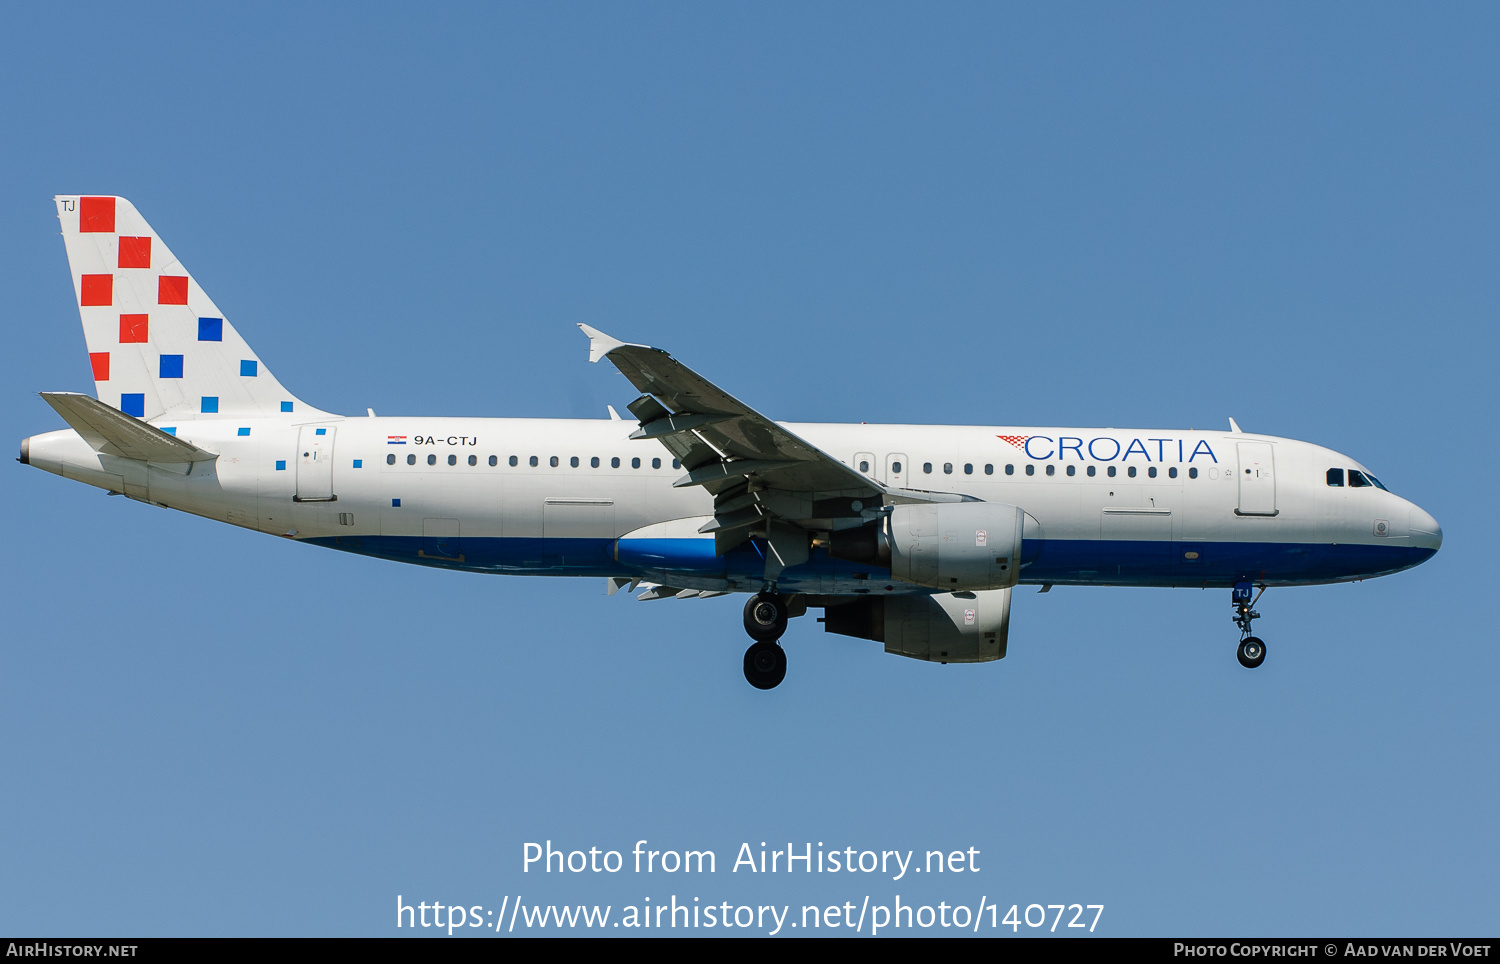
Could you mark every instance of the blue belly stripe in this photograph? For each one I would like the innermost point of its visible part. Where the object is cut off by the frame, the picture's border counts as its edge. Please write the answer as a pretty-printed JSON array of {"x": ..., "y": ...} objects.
[{"x": 1057, "y": 561}]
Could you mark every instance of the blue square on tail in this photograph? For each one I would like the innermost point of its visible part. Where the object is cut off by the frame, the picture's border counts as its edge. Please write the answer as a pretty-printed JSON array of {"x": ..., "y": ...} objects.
[
  {"x": 171, "y": 366},
  {"x": 210, "y": 329},
  {"x": 133, "y": 403},
  {"x": 209, "y": 404},
  {"x": 249, "y": 368},
  {"x": 286, "y": 406}
]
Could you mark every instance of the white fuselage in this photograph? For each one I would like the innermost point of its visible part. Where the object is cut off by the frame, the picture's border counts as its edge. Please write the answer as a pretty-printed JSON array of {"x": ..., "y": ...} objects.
[{"x": 562, "y": 496}]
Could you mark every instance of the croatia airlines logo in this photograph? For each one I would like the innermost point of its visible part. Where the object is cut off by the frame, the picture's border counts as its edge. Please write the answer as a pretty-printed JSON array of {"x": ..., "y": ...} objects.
[
  {"x": 395, "y": 440},
  {"x": 1107, "y": 448}
]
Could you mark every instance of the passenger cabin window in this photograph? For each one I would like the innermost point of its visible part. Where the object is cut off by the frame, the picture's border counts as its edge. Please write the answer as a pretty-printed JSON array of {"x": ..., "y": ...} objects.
[
  {"x": 1192, "y": 473},
  {"x": 432, "y": 460},
  {"x": 864, "y": 466},
  {"x": 513, "y": 460},
  {"x": 573, "y": 462},
  {"x": 390, "y": 460},
  {"x": 1072, "y": 469},
  {"x": 1010, "y": 470},
  {"x": 1151, "y": 472},
  {"x": 594, "y": 462},
  {"x": 947, "y": 468},
  {"x": 656, "y": 463},
  {"x": 1051, "y": 469},
  {"x": 1031, "y": 470},
  {"x": 411, "y": 460},
  {"x": 989, "y": 469},
  {"x": 1110, "y": 471},
  {"x": 927, "y": 467},
  {"x": 614, "y": 463},
  {"x": 635, "y": 463},
  {"x": 1090, "y": 471},
  {"x": 1130, "y": 471},
  {"x": 1172, "y": 472},
  {"x": 552, "y": 461},
  {"x": 452, "y": 460},
  {"x": 895, "y": 467},
  {"x": 494, "y": 461},
  {"x": 677, "y": 465},
  {"x": 1336, "y": 477},
  {"x": 968, "y": 468}
]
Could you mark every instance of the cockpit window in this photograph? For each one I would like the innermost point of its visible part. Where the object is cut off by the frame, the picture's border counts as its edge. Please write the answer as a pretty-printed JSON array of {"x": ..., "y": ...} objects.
[
  {"x": 1378, "y": 484},
  {"x": 1357, "y": 479},
  {"x": 1335, "y": 476}
]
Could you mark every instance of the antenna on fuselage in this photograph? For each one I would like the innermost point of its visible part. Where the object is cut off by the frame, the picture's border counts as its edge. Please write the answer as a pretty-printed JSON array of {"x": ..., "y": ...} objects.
[{"x": 1235, "y": 427}]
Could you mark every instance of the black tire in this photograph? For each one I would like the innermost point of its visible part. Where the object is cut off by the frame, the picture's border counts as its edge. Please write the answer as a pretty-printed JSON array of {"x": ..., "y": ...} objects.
[
  {"x": 765, "y": 618},
  {"x": 1252, "y": 652},
  {"x": 765, "y": 665}
]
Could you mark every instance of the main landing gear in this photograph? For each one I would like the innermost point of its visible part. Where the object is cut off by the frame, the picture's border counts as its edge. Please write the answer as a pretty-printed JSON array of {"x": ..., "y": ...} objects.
[
  {"x": 765, "y": 621},
  {"x": 1251, "y": 652}
]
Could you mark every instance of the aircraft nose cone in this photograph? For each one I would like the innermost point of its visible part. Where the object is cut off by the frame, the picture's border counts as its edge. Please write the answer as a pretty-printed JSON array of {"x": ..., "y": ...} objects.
[{"x": 1425, "y": 531}]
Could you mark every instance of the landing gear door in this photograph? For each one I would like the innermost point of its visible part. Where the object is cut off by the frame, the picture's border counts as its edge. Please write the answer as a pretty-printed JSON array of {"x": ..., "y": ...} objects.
[
  {"x": 315, "y": 464},
  {"x": 1257, "y": 479}
]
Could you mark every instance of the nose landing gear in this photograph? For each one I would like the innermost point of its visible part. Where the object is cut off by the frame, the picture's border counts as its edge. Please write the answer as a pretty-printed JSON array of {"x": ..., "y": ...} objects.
[
  {"x": 765, "y": 621},
  {"x": 1252, "y": 651}
]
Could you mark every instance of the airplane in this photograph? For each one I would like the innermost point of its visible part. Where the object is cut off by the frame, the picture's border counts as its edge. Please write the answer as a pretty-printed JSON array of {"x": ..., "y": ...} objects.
[{"x": 913, "y": 536}]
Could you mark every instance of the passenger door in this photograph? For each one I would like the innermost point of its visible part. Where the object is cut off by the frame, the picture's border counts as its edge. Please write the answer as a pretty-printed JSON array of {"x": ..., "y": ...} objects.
[
  {"x": 1257, "y": 477},
  {"x": 315, "y": 464}
]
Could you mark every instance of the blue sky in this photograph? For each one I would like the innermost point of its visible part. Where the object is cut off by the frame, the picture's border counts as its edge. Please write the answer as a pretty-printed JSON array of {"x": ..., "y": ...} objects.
[{"x": 1066, "y": 215}]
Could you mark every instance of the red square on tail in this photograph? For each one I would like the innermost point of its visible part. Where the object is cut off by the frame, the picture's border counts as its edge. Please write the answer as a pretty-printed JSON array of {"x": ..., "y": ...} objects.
[
  {"x": 171, "y": 290},
  {"x": 135, "y": 329},
  {"x": 100, "y": 361},
  {"x": 135, "y": 252},
  {"x": 96, "y": 214},
  {"x": 98, "y": 289}
]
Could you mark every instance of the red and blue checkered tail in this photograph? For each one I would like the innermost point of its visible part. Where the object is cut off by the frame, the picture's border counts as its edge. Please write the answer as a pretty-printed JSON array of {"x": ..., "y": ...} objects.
[{"x": 158, "y": 344}]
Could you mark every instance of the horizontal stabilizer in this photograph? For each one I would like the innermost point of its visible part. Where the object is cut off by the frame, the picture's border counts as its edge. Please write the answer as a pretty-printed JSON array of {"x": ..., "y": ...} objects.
[{"x": 111, "y": 431}]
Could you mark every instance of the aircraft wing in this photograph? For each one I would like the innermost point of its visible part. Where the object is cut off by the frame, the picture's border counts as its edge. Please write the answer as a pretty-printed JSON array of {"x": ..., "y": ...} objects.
[{"x": 766, "y": 480}]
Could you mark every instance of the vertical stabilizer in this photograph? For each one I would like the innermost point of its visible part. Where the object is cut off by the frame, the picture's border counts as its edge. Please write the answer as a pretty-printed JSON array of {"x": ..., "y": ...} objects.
[{"x": 157, "y": 343}]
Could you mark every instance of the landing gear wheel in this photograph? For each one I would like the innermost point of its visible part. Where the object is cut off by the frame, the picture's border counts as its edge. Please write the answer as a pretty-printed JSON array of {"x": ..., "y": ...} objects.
[
  {"x": 1252, "y": 652},
  {"x": 765, "y": 618},
  {"x": 765, "y": 665}
]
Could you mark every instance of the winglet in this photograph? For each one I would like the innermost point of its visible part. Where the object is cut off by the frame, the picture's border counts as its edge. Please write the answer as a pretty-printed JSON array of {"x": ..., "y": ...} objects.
[
  {"x": 1234, "y": 427},
  {"x": 600, "y": 344}
]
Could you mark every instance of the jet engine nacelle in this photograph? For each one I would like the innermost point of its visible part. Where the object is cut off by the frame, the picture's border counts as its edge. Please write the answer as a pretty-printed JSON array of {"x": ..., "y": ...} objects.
[
  {"x": 956, "y": 545},
  {"x": 968, "y": 627}
]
